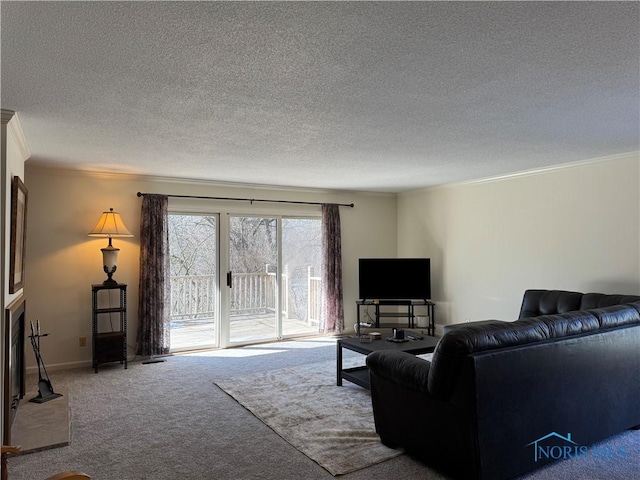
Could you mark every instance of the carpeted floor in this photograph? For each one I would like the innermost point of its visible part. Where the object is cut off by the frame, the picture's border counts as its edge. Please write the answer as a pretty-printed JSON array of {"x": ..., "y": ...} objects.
[
  {"x": 169, "y": 420},
  {"x": 331, "y": 425}
]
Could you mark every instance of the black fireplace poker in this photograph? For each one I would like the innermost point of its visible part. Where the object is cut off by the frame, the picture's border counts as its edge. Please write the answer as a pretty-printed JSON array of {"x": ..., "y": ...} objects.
[{"x": 45, "y": 390}]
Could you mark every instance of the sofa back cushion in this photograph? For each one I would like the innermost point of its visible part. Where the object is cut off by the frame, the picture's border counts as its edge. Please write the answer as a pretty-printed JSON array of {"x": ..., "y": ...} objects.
[
  {"x": 617, "y": 315},
  {"x": 544, "y": 315},
  {"x": 599, "y": 300},
  {"x": 549, "y": 302},
  {"x": 470, "y": 338}
]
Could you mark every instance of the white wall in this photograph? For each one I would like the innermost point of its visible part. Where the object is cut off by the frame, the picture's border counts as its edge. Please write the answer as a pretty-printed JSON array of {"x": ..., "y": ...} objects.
[
  {"x": 14, "y": 156},
  {"x": 574, "y": 228},
  {"x": 63, "y": 262},
  {"x": 13, "y": 153}
]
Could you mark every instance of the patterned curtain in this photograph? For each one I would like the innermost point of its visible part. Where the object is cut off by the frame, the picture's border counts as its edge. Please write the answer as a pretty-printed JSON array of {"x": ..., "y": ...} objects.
[
  {"x": 153, "y": 302},
  {"x": 332, "y": 320}
]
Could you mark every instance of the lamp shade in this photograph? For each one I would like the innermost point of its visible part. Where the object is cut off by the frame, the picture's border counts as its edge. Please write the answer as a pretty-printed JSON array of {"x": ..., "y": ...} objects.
[{"x": 110, "y": 225}]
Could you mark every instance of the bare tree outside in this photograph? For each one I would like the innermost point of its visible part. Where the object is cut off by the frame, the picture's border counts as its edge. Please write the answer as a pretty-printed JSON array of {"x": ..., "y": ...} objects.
[
  {"x": 253, "y": 244},
  {"x": 192, "y": 245}
]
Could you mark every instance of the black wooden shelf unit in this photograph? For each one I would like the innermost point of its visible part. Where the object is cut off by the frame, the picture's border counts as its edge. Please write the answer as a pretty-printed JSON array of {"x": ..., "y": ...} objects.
[{"x": 109, "y": 345}]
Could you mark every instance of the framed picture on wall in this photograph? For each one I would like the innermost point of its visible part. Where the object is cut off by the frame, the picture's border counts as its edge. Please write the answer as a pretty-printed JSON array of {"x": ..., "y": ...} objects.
[{"x": 18, "y": 234}]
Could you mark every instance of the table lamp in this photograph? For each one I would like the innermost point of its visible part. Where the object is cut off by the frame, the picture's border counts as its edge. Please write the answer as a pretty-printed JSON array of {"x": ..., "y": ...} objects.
[{"x": 110, "y": 225}]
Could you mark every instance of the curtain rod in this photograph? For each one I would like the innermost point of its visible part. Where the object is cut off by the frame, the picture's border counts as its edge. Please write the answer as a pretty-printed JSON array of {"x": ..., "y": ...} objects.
[{"x": 251, "y": 200}]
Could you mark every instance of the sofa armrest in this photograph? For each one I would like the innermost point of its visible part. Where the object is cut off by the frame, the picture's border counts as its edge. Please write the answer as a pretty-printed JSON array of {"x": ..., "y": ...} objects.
[{"x": 400, "y": 368}]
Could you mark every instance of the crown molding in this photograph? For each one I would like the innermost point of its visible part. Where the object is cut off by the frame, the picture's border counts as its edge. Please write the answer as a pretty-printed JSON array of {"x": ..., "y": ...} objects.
[
  {"x": 12, "y": 120},
  {"x": 7, "y": 115},
  {"x": 139, "y": 177},
  {"x": 533, "y": 172}
]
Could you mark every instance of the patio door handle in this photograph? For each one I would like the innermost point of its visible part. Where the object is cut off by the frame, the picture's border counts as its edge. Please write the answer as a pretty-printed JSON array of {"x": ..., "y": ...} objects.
[{"x": 229, "y": 279}]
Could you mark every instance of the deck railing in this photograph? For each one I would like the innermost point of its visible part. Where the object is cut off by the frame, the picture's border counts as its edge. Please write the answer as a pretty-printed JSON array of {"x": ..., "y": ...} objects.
[
  {"x": 314, "y": 298},
  {"x": 253, "y": 293},
  {"x": 194, "y": 296}
]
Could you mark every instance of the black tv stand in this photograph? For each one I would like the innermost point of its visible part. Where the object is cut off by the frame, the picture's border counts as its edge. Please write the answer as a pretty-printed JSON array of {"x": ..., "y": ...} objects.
[
  {"x": 387, "y": 302},
  {"x": 408, "y": 314}
]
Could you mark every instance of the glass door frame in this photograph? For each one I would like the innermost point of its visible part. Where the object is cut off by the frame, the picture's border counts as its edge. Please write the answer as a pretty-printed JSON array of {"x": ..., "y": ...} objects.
[
  {"x": 218, "y": 317},
  {"x": 225, "y": 247},
  {"x": 226, "y": 310}
]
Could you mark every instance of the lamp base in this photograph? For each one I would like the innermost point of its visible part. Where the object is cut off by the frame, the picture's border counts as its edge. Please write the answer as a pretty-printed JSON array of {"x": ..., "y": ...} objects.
[{"x": 109, "y": 280}]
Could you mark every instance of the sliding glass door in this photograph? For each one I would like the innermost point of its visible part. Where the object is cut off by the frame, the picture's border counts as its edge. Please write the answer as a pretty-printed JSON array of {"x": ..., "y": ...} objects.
[
  {"x": 272, "y": 287},
  {"x": 195, "y": 294},
  {"x": 253, "y": 281},
  {"x": 301, "y": 288},
  {"x": 275, "y": 276}
]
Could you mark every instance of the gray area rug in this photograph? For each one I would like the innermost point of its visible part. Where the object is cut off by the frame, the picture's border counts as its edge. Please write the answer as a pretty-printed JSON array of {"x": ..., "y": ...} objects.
[{"x": 331, "y": 425}]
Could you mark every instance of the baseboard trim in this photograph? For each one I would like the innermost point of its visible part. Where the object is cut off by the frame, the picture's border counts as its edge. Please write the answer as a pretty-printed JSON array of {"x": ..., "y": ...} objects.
[
  {"x": 60, "y": 366},
  {"x": 67, "y": 366}
]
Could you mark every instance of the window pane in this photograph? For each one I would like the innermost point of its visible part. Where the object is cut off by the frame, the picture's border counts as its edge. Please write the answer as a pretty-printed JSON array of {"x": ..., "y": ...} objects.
[
  {"x": 253, "y": 258},
  {"x": 302, "y": 261},
  {"x": 194, "y": 289}
]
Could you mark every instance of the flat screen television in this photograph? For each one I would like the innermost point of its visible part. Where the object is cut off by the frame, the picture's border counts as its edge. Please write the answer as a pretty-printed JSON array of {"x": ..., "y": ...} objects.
[{"x": 395, "y": 278}]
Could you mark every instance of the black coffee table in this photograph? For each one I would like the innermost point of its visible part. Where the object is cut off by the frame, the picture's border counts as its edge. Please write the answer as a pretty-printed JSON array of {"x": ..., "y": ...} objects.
[{"x": 360, "y": 375}]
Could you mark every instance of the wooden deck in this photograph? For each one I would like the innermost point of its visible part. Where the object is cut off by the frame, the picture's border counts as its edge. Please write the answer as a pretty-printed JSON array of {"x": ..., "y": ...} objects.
[{"x": 201, "y": 333}]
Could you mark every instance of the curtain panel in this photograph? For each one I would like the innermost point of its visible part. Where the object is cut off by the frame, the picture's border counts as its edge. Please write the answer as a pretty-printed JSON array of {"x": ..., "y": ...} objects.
[
  {"x": 154, "y": 296},
  {"x": 332, "y": 320}
]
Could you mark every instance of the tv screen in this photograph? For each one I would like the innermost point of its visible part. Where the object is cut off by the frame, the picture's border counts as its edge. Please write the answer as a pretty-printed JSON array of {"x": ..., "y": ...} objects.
[{"x": 395, "y": 278}]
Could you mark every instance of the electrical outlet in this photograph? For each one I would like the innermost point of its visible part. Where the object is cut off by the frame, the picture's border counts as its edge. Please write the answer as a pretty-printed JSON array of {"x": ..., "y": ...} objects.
[{"x": 83, "y": 341}]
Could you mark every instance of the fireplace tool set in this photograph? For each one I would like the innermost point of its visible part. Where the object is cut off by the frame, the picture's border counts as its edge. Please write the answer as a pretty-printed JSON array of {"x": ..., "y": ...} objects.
[{"x": 45, "y": 390}]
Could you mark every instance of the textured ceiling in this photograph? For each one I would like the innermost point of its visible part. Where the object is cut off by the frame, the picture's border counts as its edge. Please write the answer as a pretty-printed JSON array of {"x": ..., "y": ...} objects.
[{"x": 384, "y": 96}]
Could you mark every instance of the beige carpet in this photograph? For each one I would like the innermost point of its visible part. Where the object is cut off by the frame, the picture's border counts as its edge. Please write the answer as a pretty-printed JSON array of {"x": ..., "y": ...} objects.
[
  {"x": 331, "y": 425},
  {"x": 39, "y": 426}
]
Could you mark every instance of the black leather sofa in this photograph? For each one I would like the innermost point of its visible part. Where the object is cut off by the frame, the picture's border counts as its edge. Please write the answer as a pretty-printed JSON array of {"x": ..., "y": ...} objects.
[{"x": 499, "y": 399}]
